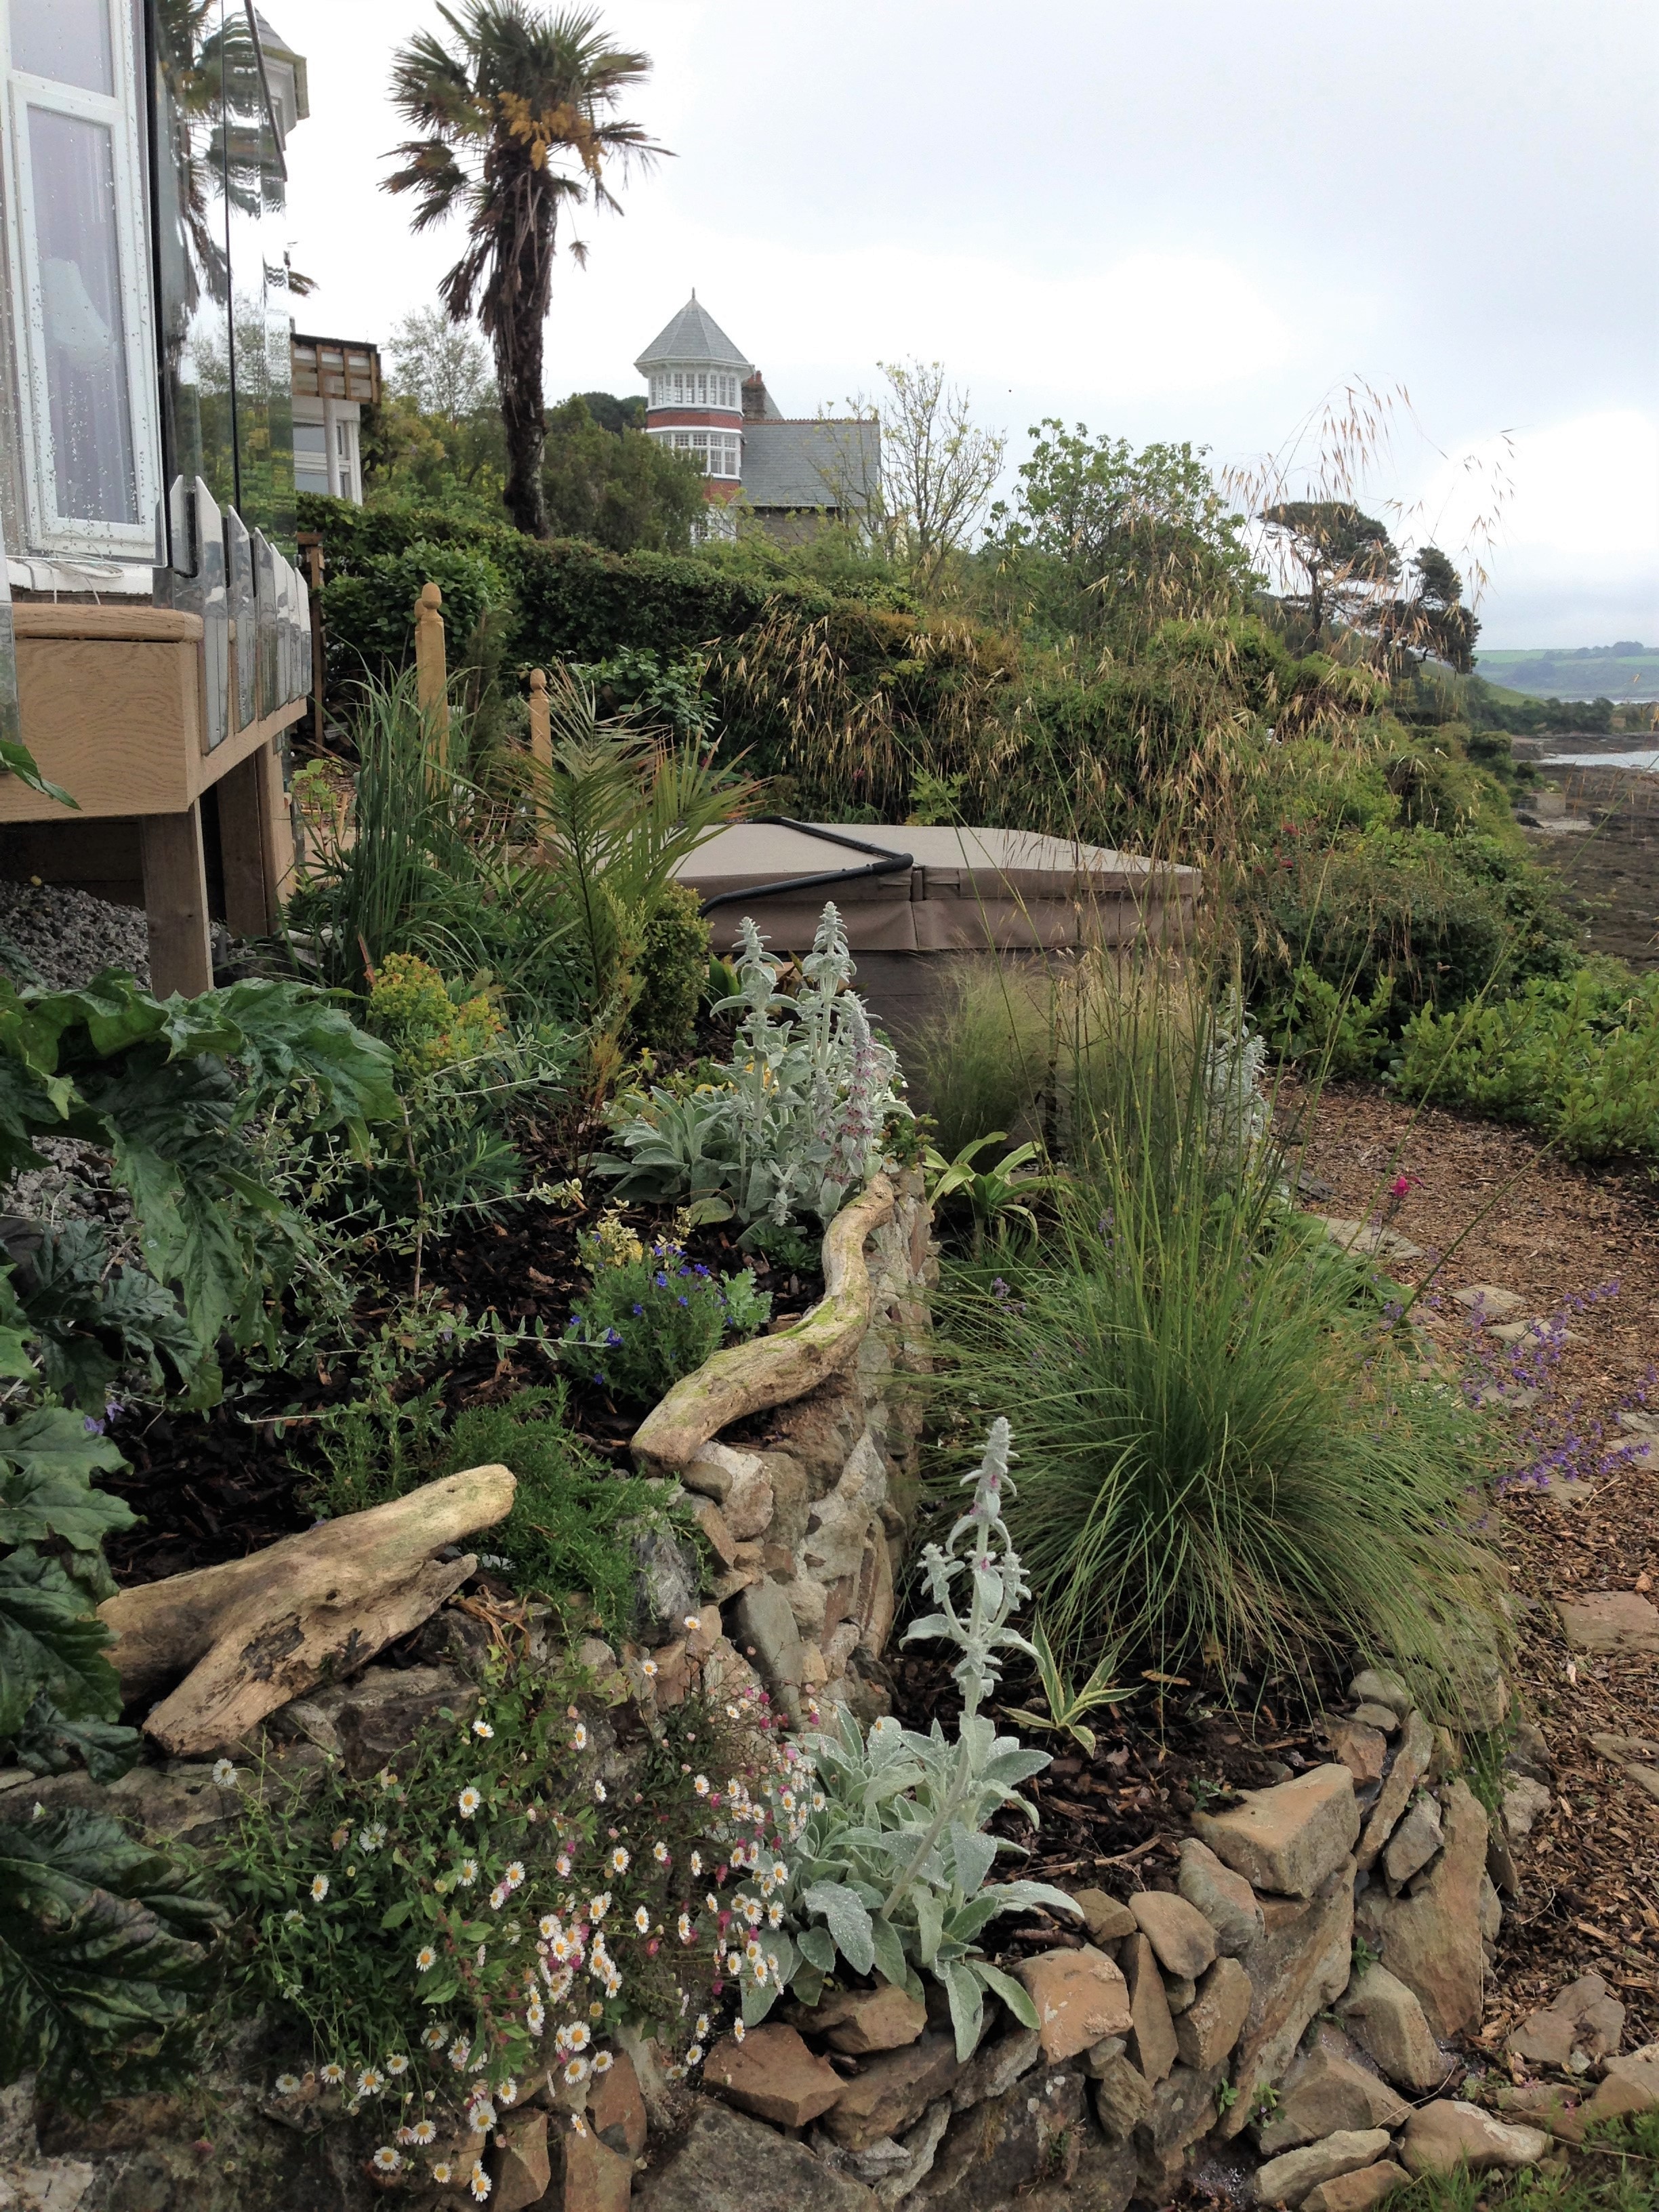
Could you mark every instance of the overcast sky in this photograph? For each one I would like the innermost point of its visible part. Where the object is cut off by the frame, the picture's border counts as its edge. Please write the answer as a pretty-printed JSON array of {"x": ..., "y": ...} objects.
[{"x": 1167, "y": 219}]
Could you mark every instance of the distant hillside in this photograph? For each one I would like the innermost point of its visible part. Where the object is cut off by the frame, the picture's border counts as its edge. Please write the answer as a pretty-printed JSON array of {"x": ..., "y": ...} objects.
[{"x": 1625, "y": 672}]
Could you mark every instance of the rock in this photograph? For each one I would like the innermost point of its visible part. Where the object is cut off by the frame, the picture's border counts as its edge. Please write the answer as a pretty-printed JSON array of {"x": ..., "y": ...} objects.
[
  {"x": 1491, "y": 1912},
  {"x": 1638, "y": 2072},
  {"x": 728, "y": 2160},
  {"x": 1362, "y": 1749},
  {"x": 1181, "y": 1936},
  {"x": 1447, "y": 2134},
  {"x": 1288, "y": 1838},
  {"x": 1523, "y": 1801},
  {"x": 1226, "y": 1898},
  {"x": 921, "y": 2148},
  {"x": 1178, "y": 1993},
  {"x": 1646, "y": 1779},
  {"x": 1430, "y": 1940},
  {"x": 1414, "y": 1843},
  {"x": 773, "y": 2075},
  {"x": 524, "y": 2172},
  {"x": 1372, "y": 1688},
  {"x": 615, "y": 2109},
  {"x": 861, "y": 2020},
  {"x": 1124, "y": 2097},
  {"x": 1105, "y": 2182},
  {"x": 1369, "y": 1240},
  {"x": 58, "y": 2185},
  {"x": 1289, "y": 2177},
  {"x": 1410, "y": 1764},
  {"x": 1501, "y": 1871},
  {"x": 1079, "y": 1997},
  {"x": 1207, "y": 2030},
  {"x": 1383, "y": 1717},
  {"x": 1184, "y": 2107},
  {"x": 1555, "y": 2109},
  {"x": 765, "y": 1622},
  {"x": 1325, "y": 2095},
  {"x": 1106, "y": 1920},
  {"x": 1300, "y": 1963},
  {"x": 1357, "y": 2192},
  {"x": 665, "y": 1582},
  {"x": 993, "y": 2151},
  {"x": 1386, "y": 2020},
  {"x": 996, "y": 2067},
  {"x": 716, "y": 1527},
  {"x": 1613, "y": 1620},
  {"x": 1530, "y": 1753},
  {"x": 1152, "y": 2044},
  {"x": 1489, "y": 1301},
  {"x": 1619, "y": 1747},
  {"x": 891, "y": 2090}
]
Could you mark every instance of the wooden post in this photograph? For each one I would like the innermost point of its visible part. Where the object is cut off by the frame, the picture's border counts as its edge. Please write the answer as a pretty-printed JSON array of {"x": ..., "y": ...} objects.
[
  {"x": 431, "y": 674},
  {"x": 275, "y": 826},
  {"x": 248, "y": 904},
  {"x": 176, "y": 903},
  {"x": 541, "y": 721},
  {"x": 311, "y": 552}
]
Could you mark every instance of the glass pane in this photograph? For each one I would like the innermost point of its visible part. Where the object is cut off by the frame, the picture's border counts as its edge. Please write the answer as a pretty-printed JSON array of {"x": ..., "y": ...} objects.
[
  {"x": 66, "y": 40},
  {"x": 72, "y": 174}
]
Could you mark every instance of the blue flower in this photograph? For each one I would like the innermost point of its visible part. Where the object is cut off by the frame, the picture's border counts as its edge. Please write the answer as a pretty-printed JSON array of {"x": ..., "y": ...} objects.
[
  {"x": 639, "y": 1309},
  {"x": 682, "y": 1301},
  {"x": 613, "y": 1336}
]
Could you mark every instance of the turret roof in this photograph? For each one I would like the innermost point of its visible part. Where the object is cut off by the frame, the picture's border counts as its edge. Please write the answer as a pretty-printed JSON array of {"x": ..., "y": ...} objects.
[{"x": 693, "y": 335}]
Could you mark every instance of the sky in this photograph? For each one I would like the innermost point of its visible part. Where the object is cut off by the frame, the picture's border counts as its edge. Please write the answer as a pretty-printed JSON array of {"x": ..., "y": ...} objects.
[{"x": 1182, "y": 219}]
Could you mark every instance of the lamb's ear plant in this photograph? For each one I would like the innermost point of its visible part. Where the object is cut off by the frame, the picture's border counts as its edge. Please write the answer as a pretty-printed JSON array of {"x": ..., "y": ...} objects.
[{"x": 890, "y": 1873}]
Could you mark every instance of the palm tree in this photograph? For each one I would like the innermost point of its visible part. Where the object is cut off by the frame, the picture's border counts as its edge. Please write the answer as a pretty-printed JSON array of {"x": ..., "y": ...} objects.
[{"x": 518, "y": 124}]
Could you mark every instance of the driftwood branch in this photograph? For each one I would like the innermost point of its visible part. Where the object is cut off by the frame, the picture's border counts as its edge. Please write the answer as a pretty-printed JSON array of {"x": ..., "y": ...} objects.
[
  {"x": 773, "y": 1370},
  {"x": 252, "y": 1634}
]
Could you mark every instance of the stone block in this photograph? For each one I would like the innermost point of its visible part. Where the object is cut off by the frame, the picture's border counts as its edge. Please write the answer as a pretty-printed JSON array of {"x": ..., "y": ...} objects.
[
  {"x": 1410, "y": 1764},
  {"x": 1524, "y": 1801},
  {"x": 523, "y": 2170},
  {"x": 1414, "y": 1843},
  {"x": 1360, "y": 2191},
  {"x": 1325, "y": 2094},
  {"x": 1122, "y": 2095},
  {"x": 1611, "y": 1621},
  {"x": 994, "y": 2151},
  {"x": 765, "y": 1622},
  {"x": 1362, "y": 1749},
  {"x": 615, "y": 2109},
  {"x": 1287, "y": 1839},
  {"x": 1105, "y": 1918},
  {"x": 1383, "y": 1717},
  {"x": 996, "y": 2067},
  {"x": 773, "y": 2075},
  {"x": 1296, "y": 2173},
  {"x": 1182, "y": 1939},
  {"x": 1226, "y": 1898},
  {"x": 1300, "y": 1962},
  {"x": 857, "y": 2021},
  {"x": 1079, "y": 1997},
  {"x": 891, "y": 2091},
  {"x": 727, "y": 2163},
  {"x": 1386, "y": 2020},
  {"x": 1430, "y": 1940},
  {"x": 1211, "y": 2026},
  {"x": 1448, "y": 2134},
  {"x": 1372, "y": 1688},
  {"x": 1152, "y": 2044},
  {"x": 1184, "y": 2107},
  {"x": 1635, "y": 2076}
]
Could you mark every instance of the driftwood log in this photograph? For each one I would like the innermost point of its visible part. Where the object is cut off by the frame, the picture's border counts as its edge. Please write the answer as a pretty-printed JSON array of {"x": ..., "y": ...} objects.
[
  {"x": 772, "y": 1369},
  {"x": 250, "y": 1635}
]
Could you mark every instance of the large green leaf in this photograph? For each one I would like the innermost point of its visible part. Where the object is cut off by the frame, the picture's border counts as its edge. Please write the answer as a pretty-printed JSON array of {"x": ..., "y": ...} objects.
[
  {"x": 50, "y": 1641},
  {"x": 48, "y": 1743},
  {"x": 47, "y": 1460},
  {"x": 102, "y": 1948},
  {"x": 848, "y": 1919}
]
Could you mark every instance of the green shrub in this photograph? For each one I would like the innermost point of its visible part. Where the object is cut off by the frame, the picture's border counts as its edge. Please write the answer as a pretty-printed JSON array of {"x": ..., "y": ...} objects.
[
  {"x": 1578, "y": 1059},
  {"x": 1218, "y": 1461},
  {"x": 368, "y": 614},
  {"x": 1333, "y": 1031},
  {"x": 673, "y": 970},
  {"x": 651, "y": 1316}
]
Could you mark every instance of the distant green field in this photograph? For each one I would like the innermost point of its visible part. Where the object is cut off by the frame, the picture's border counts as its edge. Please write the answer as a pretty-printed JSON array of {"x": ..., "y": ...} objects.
[{"x": 1621, "y": 672}]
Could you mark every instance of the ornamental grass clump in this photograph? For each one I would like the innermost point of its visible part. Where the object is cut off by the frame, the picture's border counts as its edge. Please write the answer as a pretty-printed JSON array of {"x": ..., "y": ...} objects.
[
  {"x": 653, "y": 1315},
  {"x": 1226, "y": 1460},
  {"x": 889, "y": 1873}
]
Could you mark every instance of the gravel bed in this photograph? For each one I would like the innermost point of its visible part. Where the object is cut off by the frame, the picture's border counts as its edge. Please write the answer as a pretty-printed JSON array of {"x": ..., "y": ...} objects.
[{"x": 65, "y": 936}]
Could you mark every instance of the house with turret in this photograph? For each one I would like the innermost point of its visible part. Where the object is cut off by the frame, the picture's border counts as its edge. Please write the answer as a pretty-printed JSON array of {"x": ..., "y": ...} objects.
[{"x": 793, "y": 474}]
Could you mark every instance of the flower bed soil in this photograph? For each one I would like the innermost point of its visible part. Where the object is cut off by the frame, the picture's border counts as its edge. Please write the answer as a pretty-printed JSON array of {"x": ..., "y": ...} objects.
[{"x": 219, "y": 1485}]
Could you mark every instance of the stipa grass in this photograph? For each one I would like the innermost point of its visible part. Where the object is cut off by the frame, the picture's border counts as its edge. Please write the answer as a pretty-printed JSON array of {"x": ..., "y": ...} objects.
[{"x": 1221, "y": 1457}]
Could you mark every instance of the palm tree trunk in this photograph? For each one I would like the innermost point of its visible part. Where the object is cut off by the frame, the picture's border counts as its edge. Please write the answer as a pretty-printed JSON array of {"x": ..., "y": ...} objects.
[{"x": 519, "y": 374}]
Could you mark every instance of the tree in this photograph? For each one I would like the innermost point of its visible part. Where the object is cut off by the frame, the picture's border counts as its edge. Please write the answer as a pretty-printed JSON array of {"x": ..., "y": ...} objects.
[
  {"x": 1127, "y": 538},
  {"x": 1433, "y": 623},
  {"x": 1348, "y": 557},
  {"x": 937, "y": 469},
  {"x": 441, "y": 365},
  {"x": 626, "y": 491},
  {"x": 518, "y": 125}
]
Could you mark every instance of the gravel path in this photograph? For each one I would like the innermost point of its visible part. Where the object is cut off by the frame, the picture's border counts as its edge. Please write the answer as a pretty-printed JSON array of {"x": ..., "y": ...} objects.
[{"x": 65, "y": 936}]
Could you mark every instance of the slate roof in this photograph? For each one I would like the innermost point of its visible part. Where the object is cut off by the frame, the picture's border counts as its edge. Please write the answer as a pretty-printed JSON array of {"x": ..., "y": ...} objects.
[
  {"x": 811, "y": 463},
  {"x": 694, "y": 335}
]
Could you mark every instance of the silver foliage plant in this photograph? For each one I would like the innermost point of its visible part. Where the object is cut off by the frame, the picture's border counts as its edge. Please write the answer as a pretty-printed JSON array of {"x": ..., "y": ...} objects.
[
  {"x": 794, "y": 1121},
  {"x": 890, "y": 1871}
]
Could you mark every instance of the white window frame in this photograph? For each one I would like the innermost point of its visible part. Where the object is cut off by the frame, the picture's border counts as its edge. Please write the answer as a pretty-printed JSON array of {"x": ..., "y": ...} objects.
[{"x": 120, "y": 113}]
